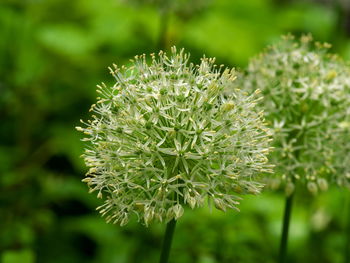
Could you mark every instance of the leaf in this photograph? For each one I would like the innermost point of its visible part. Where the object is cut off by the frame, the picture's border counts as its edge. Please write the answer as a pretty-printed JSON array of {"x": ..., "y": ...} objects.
[{"x": 13, "y": 256}]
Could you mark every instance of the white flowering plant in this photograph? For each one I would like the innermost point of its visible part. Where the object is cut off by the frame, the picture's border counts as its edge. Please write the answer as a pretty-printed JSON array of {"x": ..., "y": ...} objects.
[
  {"x": 306, "y": 99},
  {"x": 170, "y": 134}
]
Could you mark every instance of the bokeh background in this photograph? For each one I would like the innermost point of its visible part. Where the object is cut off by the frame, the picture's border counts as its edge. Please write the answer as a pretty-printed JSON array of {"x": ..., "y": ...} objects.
[{"x": 54, "y": 52}]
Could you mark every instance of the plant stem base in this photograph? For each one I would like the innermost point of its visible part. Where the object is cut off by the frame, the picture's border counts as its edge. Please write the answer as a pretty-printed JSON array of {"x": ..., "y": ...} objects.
[
  {"x": 285, "y": 229},
  {"x": 347, "y": 230},
  {"x": 169, "y": 232}
]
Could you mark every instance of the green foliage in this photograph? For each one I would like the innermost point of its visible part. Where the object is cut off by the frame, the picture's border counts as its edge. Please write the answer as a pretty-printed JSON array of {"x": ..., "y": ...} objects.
[
  {"x": 52, "y": 53},
  {"x": 25, "y": 256}
]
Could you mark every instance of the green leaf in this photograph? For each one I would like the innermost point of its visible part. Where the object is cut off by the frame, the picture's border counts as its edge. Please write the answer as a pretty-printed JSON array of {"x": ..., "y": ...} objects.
[{"x": 23, "y": 256}]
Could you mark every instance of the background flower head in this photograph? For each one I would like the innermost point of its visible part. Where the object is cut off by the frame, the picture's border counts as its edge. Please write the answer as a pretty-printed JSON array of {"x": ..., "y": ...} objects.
[{"x": 306, "y": 94}]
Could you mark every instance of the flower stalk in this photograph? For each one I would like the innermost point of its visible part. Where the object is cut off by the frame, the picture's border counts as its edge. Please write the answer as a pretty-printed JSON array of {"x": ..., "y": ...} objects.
[
  {"x": 285, "y": 228},
  {"x": 347, "y": 229},
  {"x": 168, "y": 238},
  {"x": 164, "y": 15}
]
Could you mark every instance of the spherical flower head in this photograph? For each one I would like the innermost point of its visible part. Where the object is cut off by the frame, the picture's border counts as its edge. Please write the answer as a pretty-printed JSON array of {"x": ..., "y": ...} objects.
[
  {"x": 306, "y": 92},
  {"x": 169, "y": 134}
]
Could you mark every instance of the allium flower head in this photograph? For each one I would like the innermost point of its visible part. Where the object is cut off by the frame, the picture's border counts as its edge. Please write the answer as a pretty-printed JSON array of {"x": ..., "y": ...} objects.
[
  {"x": 167, "y": 135},
  {"x": 306, "y": 92}
]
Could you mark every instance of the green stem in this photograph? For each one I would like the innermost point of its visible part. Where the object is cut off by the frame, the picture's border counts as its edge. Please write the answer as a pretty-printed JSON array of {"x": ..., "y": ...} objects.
[
  {"x": 164, "y": 19},
  {"x": 285, "y": 228},
  {"x": 169, "y": 232},
  {"x": 347, "y": 231}
]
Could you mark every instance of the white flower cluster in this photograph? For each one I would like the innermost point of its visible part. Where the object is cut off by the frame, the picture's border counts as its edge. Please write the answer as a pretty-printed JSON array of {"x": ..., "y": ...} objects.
[
  {"x": 167, "y": 134},
  {"x": 306, "y": 96},
  {"x": 342, "y": 151}
]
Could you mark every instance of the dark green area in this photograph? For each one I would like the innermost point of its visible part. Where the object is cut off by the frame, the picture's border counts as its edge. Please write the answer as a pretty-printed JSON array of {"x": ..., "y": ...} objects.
[{"x": 54, "y": 52}]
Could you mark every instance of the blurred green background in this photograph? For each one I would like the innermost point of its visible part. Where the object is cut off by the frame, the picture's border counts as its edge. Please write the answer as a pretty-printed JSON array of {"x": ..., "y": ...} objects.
[{"x": 54, "y": 52}]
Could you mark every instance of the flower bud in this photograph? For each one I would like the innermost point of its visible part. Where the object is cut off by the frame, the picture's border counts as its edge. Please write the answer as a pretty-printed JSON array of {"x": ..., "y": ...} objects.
[
  {"x": 323, "y": 184},
  {"x": 312, "y": 187},
  {"x": 289, "y": 190}
]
